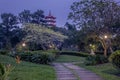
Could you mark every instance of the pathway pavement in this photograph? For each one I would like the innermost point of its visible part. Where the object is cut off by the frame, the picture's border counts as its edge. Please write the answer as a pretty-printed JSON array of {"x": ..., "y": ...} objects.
[
  {"x": 63, "y": 73},
  {"x": 69, "y": 71}
]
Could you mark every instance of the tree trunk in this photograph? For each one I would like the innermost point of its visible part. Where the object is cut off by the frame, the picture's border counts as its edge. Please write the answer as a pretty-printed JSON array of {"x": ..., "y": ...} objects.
[
  {"x": 111, "y": 50},
  {"x": 8, "y": 44},
  {"x": 105, "y": 52}
]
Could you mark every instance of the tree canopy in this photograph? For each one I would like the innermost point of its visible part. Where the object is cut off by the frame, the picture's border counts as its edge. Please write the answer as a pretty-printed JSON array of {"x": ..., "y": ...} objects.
[
  {"x": 96, "y": 18},
  {"x": 40, "y": 35}
]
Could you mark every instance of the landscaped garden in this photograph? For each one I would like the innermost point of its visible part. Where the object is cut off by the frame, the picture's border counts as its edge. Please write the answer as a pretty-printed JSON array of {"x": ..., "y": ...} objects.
[{"x": 32, "y": 47}]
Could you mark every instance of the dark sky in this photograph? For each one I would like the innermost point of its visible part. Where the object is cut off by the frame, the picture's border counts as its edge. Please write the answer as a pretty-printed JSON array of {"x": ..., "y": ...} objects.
[{"x": 59, "y": 8}]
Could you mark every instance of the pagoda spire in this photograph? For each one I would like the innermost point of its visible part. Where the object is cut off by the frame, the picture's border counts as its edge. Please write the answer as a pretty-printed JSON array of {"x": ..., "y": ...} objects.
[
  {"x": 49, "y": 12},
  {"x": 50, "y": 20}
]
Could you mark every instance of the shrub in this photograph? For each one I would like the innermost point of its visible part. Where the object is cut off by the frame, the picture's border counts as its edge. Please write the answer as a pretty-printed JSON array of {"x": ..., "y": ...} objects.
[
  {"x": 90, "y": 60},
  {"x": 5, "y": 71},
  {"x": 101, "y": 59},
  {"x": 95, "y": 59},
  {"x": 74, "y": 53},
  {"x": 37, "y": 57},
  {"x": 102, "y": 53},
  {"x": 115, "y": 59},
  {"x": 4, "y": 52},
  {"x": 55, "y": 53}
]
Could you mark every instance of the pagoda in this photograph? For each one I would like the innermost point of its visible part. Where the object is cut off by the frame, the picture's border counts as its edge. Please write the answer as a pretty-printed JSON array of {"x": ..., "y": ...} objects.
[{"x": 50, "y": 20}]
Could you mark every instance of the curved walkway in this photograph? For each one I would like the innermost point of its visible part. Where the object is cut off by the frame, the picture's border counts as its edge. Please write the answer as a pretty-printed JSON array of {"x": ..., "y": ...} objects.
[{"x": 69, "y": 71}]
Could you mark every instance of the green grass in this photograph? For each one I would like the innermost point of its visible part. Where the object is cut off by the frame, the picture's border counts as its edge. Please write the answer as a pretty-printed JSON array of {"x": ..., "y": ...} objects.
[
  {"x": 106, "y": 71},
  {"x": 29, "y": 71},
  {"x": 69, "y": 58}
]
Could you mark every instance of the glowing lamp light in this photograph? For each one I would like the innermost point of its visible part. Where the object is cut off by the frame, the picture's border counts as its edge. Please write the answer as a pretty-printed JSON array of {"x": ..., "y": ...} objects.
[
  {"x": 90, "y": 44},
  {"x": 105, "y": 37},
  {"x": 23, "y": 44}
]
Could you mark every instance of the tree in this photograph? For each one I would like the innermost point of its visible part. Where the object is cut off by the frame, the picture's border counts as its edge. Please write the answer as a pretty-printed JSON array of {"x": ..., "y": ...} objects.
[
  {"x": 1, "y": 36},
  {"x": 25, "y": 16},
  {"x": 71, "y": 32},
  {"x": 38, "y": 17},
  {"x": 9, "y": 24},
  {"x": 38, "y": 37},
  {"x": 96, "y": 16},
  {"x": 70, "y": 27}
]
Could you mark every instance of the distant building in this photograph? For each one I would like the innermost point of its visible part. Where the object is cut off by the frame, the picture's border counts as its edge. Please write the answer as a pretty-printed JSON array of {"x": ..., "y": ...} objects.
[{"x": 50, "y": 20}]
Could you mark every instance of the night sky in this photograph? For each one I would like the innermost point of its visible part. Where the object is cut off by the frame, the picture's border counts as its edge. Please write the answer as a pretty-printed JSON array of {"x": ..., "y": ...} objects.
[{"x": 59, "y": 8}]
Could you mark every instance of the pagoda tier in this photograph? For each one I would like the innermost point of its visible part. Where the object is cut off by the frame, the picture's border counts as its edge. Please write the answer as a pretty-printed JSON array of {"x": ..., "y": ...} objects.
[
  {"x": 51, "y": 24},
  {"x": 50, "y": 17},
  {"x": 50, "y": 20}
]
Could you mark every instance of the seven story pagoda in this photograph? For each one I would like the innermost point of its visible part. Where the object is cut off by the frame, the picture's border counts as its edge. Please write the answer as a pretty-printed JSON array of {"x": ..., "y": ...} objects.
[{"x": 50, "y": 20}]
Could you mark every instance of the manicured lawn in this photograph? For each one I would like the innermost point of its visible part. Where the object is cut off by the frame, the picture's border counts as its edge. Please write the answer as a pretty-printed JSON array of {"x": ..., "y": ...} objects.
[
  {"x": 29, "y": 71},
  {"x": 69, "y": 58},
  {"x": 107, "y": 71}
]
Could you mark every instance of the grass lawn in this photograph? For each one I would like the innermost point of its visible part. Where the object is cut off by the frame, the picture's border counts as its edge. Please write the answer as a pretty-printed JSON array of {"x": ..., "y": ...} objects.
[
  {"x": 106, "y": 71},
  {"x": 29, "y": 71},
  {"x": 69, "y": 58}
]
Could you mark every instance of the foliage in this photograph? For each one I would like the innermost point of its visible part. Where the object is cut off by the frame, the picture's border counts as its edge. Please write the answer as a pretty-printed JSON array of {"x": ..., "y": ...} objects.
[
  {"x": 56, "y": 53},
  {"x": 70, "y": 58},
  {"x": 71, "y": 32},
  {"x": 38, "y": 17},
  {"x": 5, "y": 71},
  {"x": 91, "y": 60},
  {"x": 115, "y": 59},
  {"x": 25, "y": 16},
  {"x": 4, "y": 52},
  {"x": 29, "y": 71},
  {"x": 97, "y": 18},
  {"x": 89, "y": 13},
  {"x": 42, "y": 36},
  {"x": 39, "y": 57},
  {"x": 95, "y": 59},
  {"x": 9, "y": 25},
  {"x": 74, "y": 53}
]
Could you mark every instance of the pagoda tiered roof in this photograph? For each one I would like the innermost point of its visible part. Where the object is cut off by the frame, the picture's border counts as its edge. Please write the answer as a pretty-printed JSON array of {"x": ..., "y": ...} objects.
[
  {"x": 50, "y": 16},
  {"x": 50, "y": 20}
]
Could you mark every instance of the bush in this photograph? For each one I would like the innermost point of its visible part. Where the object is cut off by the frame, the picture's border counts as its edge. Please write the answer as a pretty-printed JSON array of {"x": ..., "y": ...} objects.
[
  {"x": 39, "y": 57},
  {"x": 115, "y": 59},
  {"x": 95, "y": 59},
  {"x": 90, "y": 60},
  {"x": 101, "y": 59},
  {"x": 4, "y": 52},
  {"x": 74, "y": 53},
  {"x": 55, "y": 53},
  {"x": 102, "y": 53}
]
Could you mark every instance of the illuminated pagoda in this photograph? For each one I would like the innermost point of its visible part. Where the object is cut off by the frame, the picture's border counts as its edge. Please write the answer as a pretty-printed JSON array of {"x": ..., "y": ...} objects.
[{"x": 50, "y": 20}]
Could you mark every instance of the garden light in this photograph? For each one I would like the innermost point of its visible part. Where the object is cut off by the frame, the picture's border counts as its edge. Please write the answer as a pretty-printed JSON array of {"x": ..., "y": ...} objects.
[
  {"x": 23, "y": 44},
  {"x": 105, "y": 37}
]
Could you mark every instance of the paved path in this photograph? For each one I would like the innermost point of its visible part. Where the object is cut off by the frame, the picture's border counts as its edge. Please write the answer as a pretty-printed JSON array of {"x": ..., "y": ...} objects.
[
  {"x": 69, "y": 71},
  {"x": 63, "y": 73}
]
